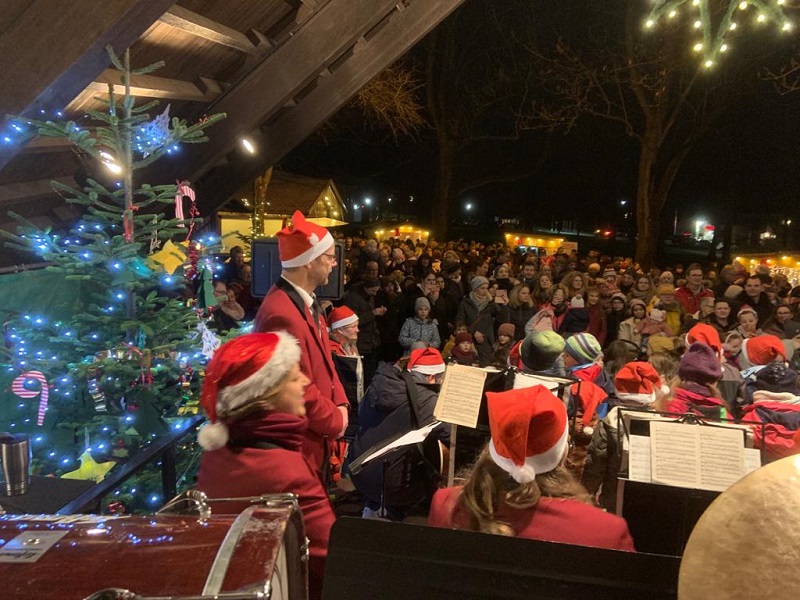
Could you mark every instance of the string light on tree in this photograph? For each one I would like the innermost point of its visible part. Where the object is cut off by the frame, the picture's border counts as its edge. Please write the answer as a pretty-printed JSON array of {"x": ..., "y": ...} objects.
[{"x": 717, "y": 19}]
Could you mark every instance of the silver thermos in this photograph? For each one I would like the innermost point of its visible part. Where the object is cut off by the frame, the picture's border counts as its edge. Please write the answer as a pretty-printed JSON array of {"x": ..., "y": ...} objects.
[{"x": 15, "y": 456}]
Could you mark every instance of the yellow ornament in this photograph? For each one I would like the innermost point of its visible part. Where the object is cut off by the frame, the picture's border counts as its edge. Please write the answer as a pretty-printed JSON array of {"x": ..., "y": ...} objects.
[
  {"x": 90, "y": 470},
  {"x": 169, "y": 258}
]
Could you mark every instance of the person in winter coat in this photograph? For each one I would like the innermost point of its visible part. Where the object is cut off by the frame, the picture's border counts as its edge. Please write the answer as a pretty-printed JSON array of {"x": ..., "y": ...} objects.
[
  {"x": 481, "y": 315},
  {"x": 519, "y": 486},
  {"x": 665, "y": 300},
  {"x": 388, "y": 410},
  {"x": 597, "y": 316},
  {"x": 697, "y": 392},
  {"x": 576, "y": 319},
  {"x": 629, "y": 328},
  {"x": 253, "y": 396},
  {"x": 521, "y": 309},
  {"x": 505, "y": 340},
  {"x": 721, "y": 319},
  {"x": 551, "y": 314},
  {"x": 343, "y": 344},
  {"x": 615, "y": 317},
  {"x": 463, "y": 351},
  {"x": 420, "y": 328},
  {"x": 638, "y": 386},
  {"x": 781, "y": 324}
]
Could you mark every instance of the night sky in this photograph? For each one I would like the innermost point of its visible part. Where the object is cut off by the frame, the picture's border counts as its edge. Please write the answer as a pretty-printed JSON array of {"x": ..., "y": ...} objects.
[{"x": 748, "y": 162}]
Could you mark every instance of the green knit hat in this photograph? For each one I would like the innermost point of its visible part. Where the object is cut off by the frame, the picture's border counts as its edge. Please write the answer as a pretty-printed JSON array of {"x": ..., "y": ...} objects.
[
  {"x": 540, "y": 349},
  {"x": 583, "y": 347}
]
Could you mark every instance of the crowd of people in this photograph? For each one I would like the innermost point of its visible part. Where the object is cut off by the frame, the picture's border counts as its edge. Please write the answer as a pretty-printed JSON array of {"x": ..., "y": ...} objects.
[{"x": 720, "y": 345}]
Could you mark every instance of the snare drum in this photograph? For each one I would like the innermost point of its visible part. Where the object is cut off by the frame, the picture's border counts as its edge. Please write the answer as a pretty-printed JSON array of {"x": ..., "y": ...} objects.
[{"x": 259, "y": 553}]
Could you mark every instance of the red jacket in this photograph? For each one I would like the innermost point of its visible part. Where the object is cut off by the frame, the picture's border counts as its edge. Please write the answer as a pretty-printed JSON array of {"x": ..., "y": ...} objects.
[
  {"x": 691, "y": 302},
  {"x": 325, "y": 393},
  {"x": 239, "y": 471},
  {"x": 552, "y": 519}
]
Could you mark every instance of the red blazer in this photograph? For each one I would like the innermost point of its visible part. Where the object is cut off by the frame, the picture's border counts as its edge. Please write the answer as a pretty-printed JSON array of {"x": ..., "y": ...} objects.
[
  {"x": 552, "y": 520},
  {"x": 325, "y": 393},
  {"x": 247, "y": 472}
]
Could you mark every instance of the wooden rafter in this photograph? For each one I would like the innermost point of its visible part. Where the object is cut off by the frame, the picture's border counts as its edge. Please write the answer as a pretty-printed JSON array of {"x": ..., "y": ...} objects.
[
  {"x": 399, "y": 33},
  {"x": 195, "y": 24},
  {"x": 151, "y": 86},
  {"x": 17, "y": 192}
]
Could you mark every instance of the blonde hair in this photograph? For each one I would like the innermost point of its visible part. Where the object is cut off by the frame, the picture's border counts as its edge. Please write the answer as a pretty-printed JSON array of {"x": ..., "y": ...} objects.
[
  {"x": 264, "y": 403},
  {"x": 488, "y": 487}
]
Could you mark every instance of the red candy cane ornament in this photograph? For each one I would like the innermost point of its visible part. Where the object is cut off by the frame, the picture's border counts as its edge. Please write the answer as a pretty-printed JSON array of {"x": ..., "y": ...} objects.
[{"x": 18, "y": 387}]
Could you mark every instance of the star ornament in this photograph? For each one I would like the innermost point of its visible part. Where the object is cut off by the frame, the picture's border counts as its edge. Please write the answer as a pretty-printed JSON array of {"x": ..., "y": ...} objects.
[
  {"x": 169, "y": 258},
  {"x": 90, "y": 470},
  {"x": 716, "y": 21}
]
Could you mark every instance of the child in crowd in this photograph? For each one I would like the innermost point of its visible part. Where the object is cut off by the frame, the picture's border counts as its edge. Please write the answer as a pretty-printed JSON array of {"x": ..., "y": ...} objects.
[
  {"x": 420, "y": 328},
  {"x": 464, "y": 352},
  {"x": 505, "y": 339},
  {"x": 748, "y": 323}
]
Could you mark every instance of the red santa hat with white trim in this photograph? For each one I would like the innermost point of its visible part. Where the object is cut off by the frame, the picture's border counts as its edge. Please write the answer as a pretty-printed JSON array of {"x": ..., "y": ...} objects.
[
  {"x": 302, "y": 241},
  {"x": 241, "y": 371},
  {"x": 342, "y": 316},
  {"x": 529, "y": 431},
  {"x": 639, "y": 382},
  {"x": 427, "y": 361}
]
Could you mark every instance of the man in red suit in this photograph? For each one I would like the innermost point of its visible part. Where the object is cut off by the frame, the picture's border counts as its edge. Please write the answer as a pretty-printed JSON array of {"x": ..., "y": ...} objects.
[{"x": 307, "y": 258}]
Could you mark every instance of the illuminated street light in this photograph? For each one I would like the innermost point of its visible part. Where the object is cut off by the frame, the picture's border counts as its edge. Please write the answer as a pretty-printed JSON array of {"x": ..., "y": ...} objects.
[
  {"x": 368, "y": 201},
  {"x": 468, "y": 206}
]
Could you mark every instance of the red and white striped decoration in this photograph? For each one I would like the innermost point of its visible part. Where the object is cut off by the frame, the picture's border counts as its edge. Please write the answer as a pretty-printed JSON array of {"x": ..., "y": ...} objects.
[
  {"x": 18, "y": 387},
  {"x": 184, "y": 189}
]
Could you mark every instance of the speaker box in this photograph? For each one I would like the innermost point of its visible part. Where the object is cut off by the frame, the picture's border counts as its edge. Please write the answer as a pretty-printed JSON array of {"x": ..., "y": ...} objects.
[{"x": 266, "y": 264}]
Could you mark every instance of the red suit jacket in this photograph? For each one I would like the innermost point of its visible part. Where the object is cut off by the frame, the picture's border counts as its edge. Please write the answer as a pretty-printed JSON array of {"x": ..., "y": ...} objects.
[
  {"x": 242, "y": 472},
  {"x": 283, "y": 310},
  {"x": 552, "y": 519}
]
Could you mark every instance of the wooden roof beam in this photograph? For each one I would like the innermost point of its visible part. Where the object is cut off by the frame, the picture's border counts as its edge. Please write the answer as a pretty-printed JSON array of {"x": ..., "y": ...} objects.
[
  {"x": 54, "y": 49},
  {"x": 296, "y": 63},
  {"x": 151, "y": 86},
  {"x": 15, "y": 193},
  {"x": 195, "y": 24},
  {"x": 401, "y": 31}
]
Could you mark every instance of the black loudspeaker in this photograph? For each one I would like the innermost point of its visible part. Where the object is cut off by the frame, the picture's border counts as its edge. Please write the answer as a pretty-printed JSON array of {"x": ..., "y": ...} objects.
[{"x": 266, "y": 264}]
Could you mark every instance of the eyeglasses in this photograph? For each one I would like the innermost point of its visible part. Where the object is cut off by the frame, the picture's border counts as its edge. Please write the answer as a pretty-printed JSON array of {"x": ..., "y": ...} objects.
[{"x": 331, "y": 256}]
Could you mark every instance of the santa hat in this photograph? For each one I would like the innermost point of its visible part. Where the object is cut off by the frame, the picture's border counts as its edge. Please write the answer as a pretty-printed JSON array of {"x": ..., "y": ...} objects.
[
  {"x": 302, "y": 242},
  {"x": 591, "y": 396},
  {"x": 529, "y": 431},
  {"x": 638, "y": 382},
  {"x": 427, "y": 361},
  {"x": 763, "y": 349},
  {"x": 342, "y": 317},
  {"x": 704, "y": 334},
  {"x": 242, "y": 370}
]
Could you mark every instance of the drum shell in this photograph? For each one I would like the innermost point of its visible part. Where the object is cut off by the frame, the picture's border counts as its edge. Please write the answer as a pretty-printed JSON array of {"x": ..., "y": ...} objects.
[{"x": 160, "y": 555}]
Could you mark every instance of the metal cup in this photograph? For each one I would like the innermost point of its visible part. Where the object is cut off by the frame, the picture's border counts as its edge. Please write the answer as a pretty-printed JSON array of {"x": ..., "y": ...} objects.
[{"x": 15, "y": 454}]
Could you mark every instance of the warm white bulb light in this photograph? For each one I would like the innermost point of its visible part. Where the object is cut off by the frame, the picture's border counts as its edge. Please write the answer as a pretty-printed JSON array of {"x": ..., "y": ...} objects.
[
  {"x": 709, "y": 64},
  {"x": 698, "y": 24},
  {"x": 723, "y": 48},
  {"x": 649, "y": 23},
  {"x": 787, "y": 26},
  {"x": 761, "y": 18},
  {"x": 673, "y": 14},
  {"x": 110, "y": 163},
  {"x": 742, "y": 5},
  {"x": 697, "y": 47},
  {"x": 733, "y": 26},
  {"x": 248, "y": 145}
]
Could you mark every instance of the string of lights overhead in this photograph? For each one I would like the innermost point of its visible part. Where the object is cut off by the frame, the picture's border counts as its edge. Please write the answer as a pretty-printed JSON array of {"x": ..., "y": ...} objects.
[{"x": 717, "y": 21}]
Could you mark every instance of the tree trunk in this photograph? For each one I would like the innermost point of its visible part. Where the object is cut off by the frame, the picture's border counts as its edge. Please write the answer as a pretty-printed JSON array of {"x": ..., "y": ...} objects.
[
  {"x": 443, "y": 201},
  {"x": 648, "y": 205}
]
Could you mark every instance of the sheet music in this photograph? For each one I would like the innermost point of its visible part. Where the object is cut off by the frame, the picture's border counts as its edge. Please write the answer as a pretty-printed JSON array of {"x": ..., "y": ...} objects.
[
  {"x": 460, "y": 397},
  {"x": 721, "y": 457},
  {"x": 415, "y": 436},
  {"x": 752, "y": 460},
  {"x": 673, "y": 454},
  {"x": 526, "y": 380},
  {"x": 639, "y": 459}
]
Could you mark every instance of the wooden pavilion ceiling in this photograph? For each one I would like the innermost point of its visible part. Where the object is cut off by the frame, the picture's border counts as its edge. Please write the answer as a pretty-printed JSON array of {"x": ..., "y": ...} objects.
[{"x": 279, "y": 68}]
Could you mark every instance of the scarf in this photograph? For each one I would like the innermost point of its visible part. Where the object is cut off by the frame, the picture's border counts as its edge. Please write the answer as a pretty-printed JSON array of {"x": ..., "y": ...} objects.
[
  {"x": 478, "y": 302},
  {"x": 282, "y": 429}
]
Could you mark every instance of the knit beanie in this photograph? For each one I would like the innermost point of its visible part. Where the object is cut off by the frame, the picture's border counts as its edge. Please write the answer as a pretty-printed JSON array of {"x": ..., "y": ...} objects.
[
  {"x": 620, "y": 296},
  {"x": 506, "y": 329},
  {"x": 637, "y": 302},
  {"x": 477, "y": 282},
  {"x": 700, "y": 364},
  {"x": 657, "y": 316},
  {"x": 541, "y": 349},
  {"x": 583, "y": 347},
  {"x": 464, "y": 336},
  {"x": 609, "y": 272},
  {"x": 421, "y": 301}
]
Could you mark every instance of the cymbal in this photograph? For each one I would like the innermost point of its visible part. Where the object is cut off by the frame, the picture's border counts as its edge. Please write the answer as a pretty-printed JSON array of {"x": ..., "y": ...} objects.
[{"x": 747, "y": 542}]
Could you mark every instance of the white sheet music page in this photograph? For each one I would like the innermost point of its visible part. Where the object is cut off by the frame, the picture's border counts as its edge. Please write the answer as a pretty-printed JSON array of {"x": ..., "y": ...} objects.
[{"x": 460, "y": 397}]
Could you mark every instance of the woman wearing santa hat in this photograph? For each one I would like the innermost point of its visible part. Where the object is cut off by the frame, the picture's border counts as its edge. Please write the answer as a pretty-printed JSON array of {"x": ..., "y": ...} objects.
[
  {"x": 343, "y": 344},
  {"x": 253, "y": 396},
  {"x": 519, "y": 485}
]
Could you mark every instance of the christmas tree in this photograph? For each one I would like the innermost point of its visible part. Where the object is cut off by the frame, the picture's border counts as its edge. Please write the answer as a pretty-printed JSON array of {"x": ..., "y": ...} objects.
[{"x": 92, "y": 385}]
